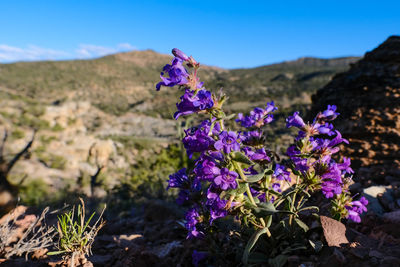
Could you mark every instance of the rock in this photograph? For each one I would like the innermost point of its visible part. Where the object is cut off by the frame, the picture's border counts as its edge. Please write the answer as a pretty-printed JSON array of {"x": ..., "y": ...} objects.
[
  {"x": 389, "y": 261},
  {"x": 393, "y": 217},
  {"x": 371, "y": 193},
  {"x": 126, "y": 240},
  {"x": 339, "y": 256},
  {"x": 376, "y": 254},
  {"x": 367, "y": 97},
  {"x": 360, "y": 252},
  {"x": 40, "y": 254},
  {"x": 334, "y": 232},
  {"x": 164, "y": 250},
  {"x": 100, "y": 260}
]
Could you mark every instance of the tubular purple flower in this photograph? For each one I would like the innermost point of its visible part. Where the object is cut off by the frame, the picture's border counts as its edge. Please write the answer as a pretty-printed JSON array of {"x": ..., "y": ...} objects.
[
  {"x": 206, "y": 168},
  {"x": 281, "y": 173},
  {"x": 258, "y": 117},
  {"x": 191, "y": 221},
  {"x": 338, "y": 139},
  {"x": 191, "y": 103},
  {"x": 295, "y": 121},
  {"x": 179, "y": 54},
  {"x": 197, "y": 139},
  {"x": 330, "y": 113},
  {"x": 226, "y": 179},
  {"x": 326, "y": 128},
  {"x": 228, "y": 141},
  {"x": 178, "y": 179},
  {"x": 178, "y": 75},
  {"x": 356, "y": 208},
  {"x": 345, "y": 166}
]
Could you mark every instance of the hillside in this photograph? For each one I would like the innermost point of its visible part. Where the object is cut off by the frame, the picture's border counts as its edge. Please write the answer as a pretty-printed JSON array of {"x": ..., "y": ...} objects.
[{"x": 125, "y": 81}]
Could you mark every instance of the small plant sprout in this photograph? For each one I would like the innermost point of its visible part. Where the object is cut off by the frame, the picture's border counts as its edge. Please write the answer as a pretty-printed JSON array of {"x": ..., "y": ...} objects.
[
  {"x": 237, "y": 177},
  {"x": 76, "y": 236}
]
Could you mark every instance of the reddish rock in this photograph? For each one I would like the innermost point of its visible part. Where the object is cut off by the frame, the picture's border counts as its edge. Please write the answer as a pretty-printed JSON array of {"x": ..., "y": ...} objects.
[{"x": 334, "y": 232}]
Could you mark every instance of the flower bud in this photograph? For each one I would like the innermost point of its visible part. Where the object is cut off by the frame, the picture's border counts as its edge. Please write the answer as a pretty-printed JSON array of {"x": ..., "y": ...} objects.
[{"x": 179, "y": 54}]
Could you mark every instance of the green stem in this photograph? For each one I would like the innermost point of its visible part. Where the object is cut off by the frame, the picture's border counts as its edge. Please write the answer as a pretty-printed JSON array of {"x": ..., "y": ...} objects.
[{"x": 249, "y": 195}]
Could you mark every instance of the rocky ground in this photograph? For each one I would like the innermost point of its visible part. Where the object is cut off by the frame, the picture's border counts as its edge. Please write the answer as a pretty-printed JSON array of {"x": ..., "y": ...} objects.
[{"x": 152, "y": 236}]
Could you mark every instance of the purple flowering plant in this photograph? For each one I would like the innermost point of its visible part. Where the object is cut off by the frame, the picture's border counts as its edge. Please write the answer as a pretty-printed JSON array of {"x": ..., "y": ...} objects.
[{"x": 236, "y": 176}]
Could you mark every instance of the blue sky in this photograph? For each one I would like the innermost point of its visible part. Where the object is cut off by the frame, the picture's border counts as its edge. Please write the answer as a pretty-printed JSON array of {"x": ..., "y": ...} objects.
[{"x": 228, "y": 34}]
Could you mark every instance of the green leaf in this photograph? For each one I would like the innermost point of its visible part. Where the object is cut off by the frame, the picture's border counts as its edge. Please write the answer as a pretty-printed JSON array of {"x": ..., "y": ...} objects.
[
  {"x": 241, "y": 188},
  {"x": 56, "y": 252},
  {"x": 309, "y": 208},
  {"x": 267, "y": 208},
  {"x": 253, "y": 240},
  {"x": 257, "y": 257},
  {"x": 254, "y": 178},
  {"x": 229, "y": 117},
  {"x": 302, "y": 224},
  {"x": 241, "y": 158},
  {"x": 278, "y": 261}
]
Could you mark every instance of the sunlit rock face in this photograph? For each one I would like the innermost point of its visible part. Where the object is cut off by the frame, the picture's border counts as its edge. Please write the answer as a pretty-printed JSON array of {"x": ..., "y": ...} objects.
[{"x": 368, "y": 98}]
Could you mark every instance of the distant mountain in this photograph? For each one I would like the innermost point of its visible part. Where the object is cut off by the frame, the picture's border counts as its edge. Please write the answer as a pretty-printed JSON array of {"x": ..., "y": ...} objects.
[{"x": 125, "y": 81}]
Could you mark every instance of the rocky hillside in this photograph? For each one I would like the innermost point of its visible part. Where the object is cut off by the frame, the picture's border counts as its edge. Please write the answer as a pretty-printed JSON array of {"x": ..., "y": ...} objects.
[{"x": 368, "y": 98}]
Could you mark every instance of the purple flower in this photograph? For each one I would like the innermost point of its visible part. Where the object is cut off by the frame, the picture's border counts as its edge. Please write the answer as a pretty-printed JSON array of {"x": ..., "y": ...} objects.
[
  {"x": 295, "y": 121},
  {"x": 251, "y": 138},
  {"x": 331, "y": 181},
  {"x": 197, "y": 138},
  {"x": 326, "y": 128},
  {"x": 258, "y": 155},
  {"x": 191, "y": 221},
  {"x": 330, "y": 113},
  {"x": 281, "y": 173},
  {"x": 191, "y": 102},
  {"x": 228, "y": 141},
  {"x": 338, "y": 139},
  {"x": 178, "y": 75},
  {"x": 206, "y": 168},
  {"x": 345, "y": 166},
  {"x": 178, "y": 179},
  {"x": 179, "y": 54},
  {"x": 258, "y": 117},
  {"x": 300, "y": 164},
  {"x": 215, "y": 204},
  {"x": 276, "y": 187},
  {"x": 257, "y": 194},
  {"x": 292, "y": 151},
  {"x": 226, "y": 179},
  {"x": 356, "y": 208},
  {"x": 198, "y": 256}
]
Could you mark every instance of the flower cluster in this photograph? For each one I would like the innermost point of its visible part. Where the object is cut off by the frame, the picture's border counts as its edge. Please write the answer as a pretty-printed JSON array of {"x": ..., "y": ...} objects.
[
  {"x": 234, "y": 173},
  {"x": 312, "y": 157},
  {"x": 258, "y": 117}
]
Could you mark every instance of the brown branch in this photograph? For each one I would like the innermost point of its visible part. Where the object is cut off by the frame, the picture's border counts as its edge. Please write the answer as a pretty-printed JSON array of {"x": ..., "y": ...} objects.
[
  {"x": 21, "y": 153},
  {"x": 3, "y": 143}
]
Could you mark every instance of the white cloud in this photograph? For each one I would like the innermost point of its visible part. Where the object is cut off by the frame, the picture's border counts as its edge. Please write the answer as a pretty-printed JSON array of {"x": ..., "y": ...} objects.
[
  {"x": 126, "y": 46},
  {"x": 84, "y": 51},
  {"x": 31, "y": 52},
  {"x": 90, "y": 51}
]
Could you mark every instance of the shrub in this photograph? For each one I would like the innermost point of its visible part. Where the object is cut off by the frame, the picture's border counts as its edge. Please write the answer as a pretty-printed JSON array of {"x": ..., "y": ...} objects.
[{"x": 236, "y": 178}]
